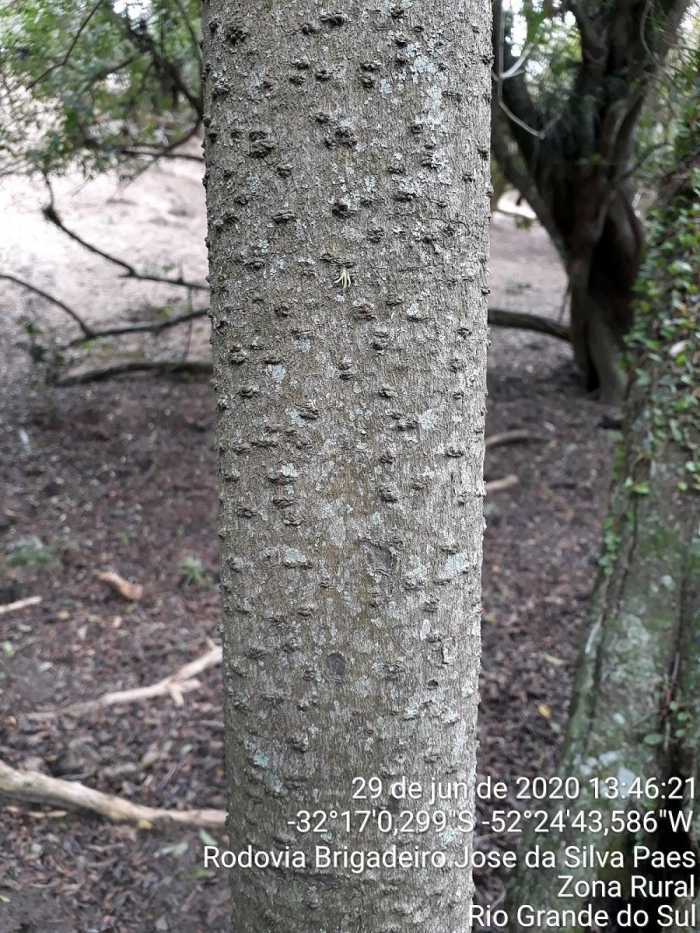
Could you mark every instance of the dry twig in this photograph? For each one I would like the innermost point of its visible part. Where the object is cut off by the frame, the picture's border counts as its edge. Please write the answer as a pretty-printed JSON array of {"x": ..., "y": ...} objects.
[
  {"x": 496, "y": 485},
  {"x": 498, "y": 317},
  {"x": 174, "y": 685},
  {"x": 516, "y": 436},
  {"x": 32, "y": 785},
  {"x": 20, "y": 604},
  {"x": 131, "y": 591},
  {"x": 130, "y": 272}
]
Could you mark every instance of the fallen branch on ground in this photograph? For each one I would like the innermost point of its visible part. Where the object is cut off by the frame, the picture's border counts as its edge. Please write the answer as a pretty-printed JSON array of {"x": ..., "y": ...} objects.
[
  {"x": 20, "y": 604},
  {"x": 129, "y": 591},
  {"x": 520, "y": 321},
  {"x": 174, "y": 685},
  {"x": 204, "y": 367},
  {"x": 32, "y": 785},
  {"x": 496, "y": 485},
  {"x": 159, "y": 367},
  {"x": 516, "y": 436},
  {"x": 89, "y": 333},
  {"x": 497, "y": 317}
]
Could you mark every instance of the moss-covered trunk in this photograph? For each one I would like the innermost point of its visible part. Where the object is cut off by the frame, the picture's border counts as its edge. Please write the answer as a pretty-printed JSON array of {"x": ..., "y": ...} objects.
[{"x": 627, "y": 839}]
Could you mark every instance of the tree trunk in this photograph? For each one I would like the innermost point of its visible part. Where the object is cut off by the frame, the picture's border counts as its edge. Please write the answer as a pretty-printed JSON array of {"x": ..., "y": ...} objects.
[
  {"x": 634, "y": 729},
  {"x": 347, "y": 176},
  {"x": 572, "y": 158}
]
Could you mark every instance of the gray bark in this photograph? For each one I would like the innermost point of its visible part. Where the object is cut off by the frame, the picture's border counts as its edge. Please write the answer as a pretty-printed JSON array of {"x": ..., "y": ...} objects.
[
  {"x": 635, "y": 714},
  {"x": 347, "y": 192}
]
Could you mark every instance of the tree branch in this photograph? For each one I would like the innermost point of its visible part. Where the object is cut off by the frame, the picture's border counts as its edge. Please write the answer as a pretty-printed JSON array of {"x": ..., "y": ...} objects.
[
  {"x": 514, "y": 436},
  {"x": 156, "y": 155},
  {"x": 496, "y": 485},
  {"x": 85, "y": 328},
  {"x": 174, "y": 685},
  {"x": 593, "y": 46},
  {"x": 69, "y": 52},
  {"x": 190, "y": 30},
  {"x": 33, "y": 785},
  {"x": 521, "y": 321},
  {"x": 20, "y": 604},
  {"x": 527, "y": 186},
  {"x": 166, "y": 152},
  {"x": 512, "y": 96},
  {"x": 51, "y": 214},
  {"x": 155, "y": 327},
  {"x": 168, "y": 71},
  {"x": 158, "y": 367}
]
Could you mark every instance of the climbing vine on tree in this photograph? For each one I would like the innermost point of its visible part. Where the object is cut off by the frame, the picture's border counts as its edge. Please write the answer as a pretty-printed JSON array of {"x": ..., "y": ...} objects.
[{"x": 635, "y": 713}]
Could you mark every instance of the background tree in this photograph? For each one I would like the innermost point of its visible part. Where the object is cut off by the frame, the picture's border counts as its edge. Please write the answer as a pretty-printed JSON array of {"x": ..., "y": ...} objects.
[
  {"x": 571, "y": 81},
  {"x": 347, "y": 176},
  {"x": 635, "y": 708},
  {"x": 125, "y": 89},
  {"x": 566, "y": 140},
  {"x": 99, "y": 84}
]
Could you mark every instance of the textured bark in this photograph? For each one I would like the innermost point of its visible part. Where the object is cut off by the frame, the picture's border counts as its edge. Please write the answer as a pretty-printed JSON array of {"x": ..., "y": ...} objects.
[
  {"x": 347, "y": 192},
  {"x": 574, "y": 163},
  {"x": 636, "y": 704}
]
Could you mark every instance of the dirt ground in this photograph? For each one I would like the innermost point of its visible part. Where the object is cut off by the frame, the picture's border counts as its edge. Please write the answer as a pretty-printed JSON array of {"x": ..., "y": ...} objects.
[{"x": 121, "y": 476}]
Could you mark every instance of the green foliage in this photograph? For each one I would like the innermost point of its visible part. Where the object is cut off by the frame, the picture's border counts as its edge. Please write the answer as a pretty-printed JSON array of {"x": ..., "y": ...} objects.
[
  {"x": 611, "y": 545},
  {"x": 664, "y": 132},
  {"x": 96, "y": 83},
  {"x": 8, "y": 649},
  {"x": 30, "y": 552},
  {"x": 550, "y": 49},
  {"x": 192, "y": 571},
  {"x": 682, "y": 718},
  {"x": 128, "y": 536},
  {"x": 664, "y": 346},
  {"x": 37, "y": 350}
]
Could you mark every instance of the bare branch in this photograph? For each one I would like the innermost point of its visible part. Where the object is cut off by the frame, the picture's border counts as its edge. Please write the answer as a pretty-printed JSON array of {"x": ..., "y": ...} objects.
[
  {"x": 512, "y": 97},
  {"x": 174, "y": 685},
  {"x": 85, "y": 328},
  {"x": 20, "y": 604},
  {"x": 527, "y": 186},
  {"x": 516, "y": 436},
  {"x": 33, "y": 785},
  {"x": 156, "y": 155},
  {"x": 166, "y": 152},
  {"x": 155, "y": 327},
  {"x": 51, "y": 214},
  {"x": 520, "y": 321},
  {"x": 496, "y": 485},
  {"x": 158, "y": 367}
]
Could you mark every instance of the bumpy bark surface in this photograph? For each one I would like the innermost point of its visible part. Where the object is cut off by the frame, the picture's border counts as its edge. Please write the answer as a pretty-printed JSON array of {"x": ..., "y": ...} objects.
[
  {"x": 347, "y": 191},
  {"x": 635, "y": 709}
]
